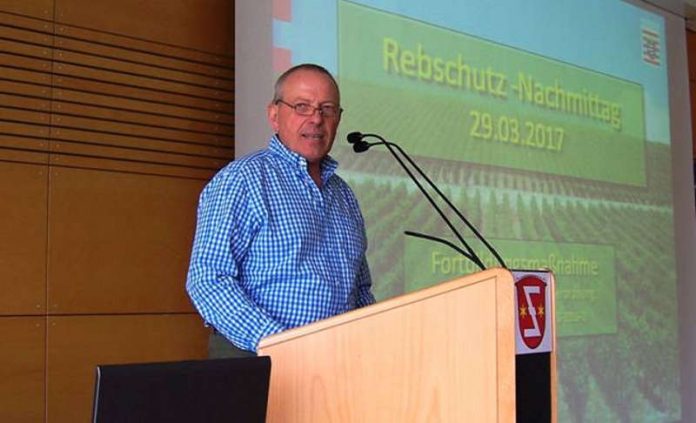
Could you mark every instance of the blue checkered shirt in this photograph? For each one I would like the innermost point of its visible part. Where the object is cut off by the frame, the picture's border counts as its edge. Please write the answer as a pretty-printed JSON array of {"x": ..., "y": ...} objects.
[{"x": 274, "y": 251}]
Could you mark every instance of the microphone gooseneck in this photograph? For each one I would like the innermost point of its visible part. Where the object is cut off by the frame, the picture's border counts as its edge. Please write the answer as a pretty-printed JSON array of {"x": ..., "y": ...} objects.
[
  {"x": 456, "y": 210},
  {"x": 354, "y": 140},
  {"x": 442, "y": 241},
  {"x": 360, "y": 145}
]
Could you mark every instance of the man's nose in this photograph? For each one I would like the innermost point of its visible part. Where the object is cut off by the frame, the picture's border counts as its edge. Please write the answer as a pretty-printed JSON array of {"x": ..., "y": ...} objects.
[{"x": 316, "y": 117}]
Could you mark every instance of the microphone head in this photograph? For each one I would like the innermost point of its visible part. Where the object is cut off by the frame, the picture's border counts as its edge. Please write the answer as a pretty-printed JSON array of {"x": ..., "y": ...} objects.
[
  {"x": 354, "y": 137},
  {"x": 361, "y": 146}
]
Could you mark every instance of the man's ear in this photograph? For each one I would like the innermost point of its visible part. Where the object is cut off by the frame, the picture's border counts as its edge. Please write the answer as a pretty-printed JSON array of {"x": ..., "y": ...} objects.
[{"x": 272, "y": 113}]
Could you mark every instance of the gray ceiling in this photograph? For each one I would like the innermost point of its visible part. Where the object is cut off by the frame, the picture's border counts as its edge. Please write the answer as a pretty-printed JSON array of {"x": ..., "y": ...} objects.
[{"x": 683, "y": 8}]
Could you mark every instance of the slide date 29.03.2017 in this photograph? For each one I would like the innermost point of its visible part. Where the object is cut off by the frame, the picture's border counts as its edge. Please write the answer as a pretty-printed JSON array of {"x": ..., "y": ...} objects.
[{"x": 511, "y": 130}]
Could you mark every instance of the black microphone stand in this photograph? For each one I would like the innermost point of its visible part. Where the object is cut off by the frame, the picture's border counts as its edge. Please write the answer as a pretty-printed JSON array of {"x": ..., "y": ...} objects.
[{"x": 359, "y": 145}]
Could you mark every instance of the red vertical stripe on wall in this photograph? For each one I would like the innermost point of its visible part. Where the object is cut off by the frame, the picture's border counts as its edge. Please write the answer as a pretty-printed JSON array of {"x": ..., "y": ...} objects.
[
  {"x": 282, "y": 10},
  {"x": 282, "y": 59}
]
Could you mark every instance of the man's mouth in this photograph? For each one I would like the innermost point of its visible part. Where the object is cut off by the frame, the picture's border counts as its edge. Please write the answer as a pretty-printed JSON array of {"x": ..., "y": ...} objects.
[{"x": 313, "y": 136}]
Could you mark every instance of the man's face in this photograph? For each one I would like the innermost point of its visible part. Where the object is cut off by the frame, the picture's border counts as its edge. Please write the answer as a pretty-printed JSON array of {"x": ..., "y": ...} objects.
[{"x": 309, "y": 136}]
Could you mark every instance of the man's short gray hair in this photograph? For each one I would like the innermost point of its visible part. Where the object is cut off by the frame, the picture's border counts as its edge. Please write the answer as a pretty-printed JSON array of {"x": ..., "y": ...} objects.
[{"x": 278, "y": 89}]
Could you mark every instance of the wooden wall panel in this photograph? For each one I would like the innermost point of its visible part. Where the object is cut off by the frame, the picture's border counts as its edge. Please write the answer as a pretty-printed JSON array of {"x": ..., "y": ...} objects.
[
  {"x": 141, "y": 52},
  {"x": 76, "y": 344},
  {"x": 119, "y": 243},
  {"x": 133, "y": 167},
  {"x": 22, "y": 373},
  {"x": 24, "y": 88},
  {"x": 220, "y": 155},
  {"x": 22, "y": 102},
  {"x": 23, "y": 136},
  {"x": 121, "y": 64},
  {"x": 223, "y": 64},
  {"x": 87, "y": 71},
  {"x": 145, "y": 118},
  {"x": 35, "y": 8},
  {"x": 148, "y": 95},
  {"x": 22, "y": 149},
  {"x": 42, "y": 79},
  {"x": 30, "y": 36},
  {"x": 41, "y": 64},
  {"x": 154, "y": 106},
  {"x": 25, "y": 106},
  {"x": 127, "y": 128},
  {"x": 22, "y": 239},
  {"x": 134, "y": 154},
  {"x": 19, "y": 115},
  {"x": 113, "y": 114},
  {"x": 18, "y": 49},
  {"x": 22, "y": 142},
  {"x": 223, "y": 154},
  {"x": 207, "y": 27},
  {"x": 136, "y": 101}
]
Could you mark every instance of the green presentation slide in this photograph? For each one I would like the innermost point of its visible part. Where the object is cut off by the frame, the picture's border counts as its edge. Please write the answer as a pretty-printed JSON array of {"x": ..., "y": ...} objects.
[
  {"x": 547, "y": 124},
  {"x": 495, "y": 104}
]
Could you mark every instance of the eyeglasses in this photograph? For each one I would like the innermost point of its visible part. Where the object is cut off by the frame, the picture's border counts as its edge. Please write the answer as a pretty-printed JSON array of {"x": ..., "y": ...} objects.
[{"x": 305, "y": 109}]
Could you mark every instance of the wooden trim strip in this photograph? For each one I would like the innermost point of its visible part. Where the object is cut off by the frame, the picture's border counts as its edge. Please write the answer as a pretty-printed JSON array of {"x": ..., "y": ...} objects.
[
  {"x": 133, "y": 155},
  {"x": 155, "y": 60},
  {"x": 24, "y": 22},
  {"x": 146, "y": 94},
  {"x": 99, "y": 163},
  {"x": 142, "y": 82},
  {"x": 141, "y": 70},
  {"x": 135, "y": 44},
  {"x": 85, "y": 136},
  {"x": 25, "y": 36},
  {"x": 153, "y": 120},
  {"x": 24, "y": 61},
  {"x": 145, "y": 107},
  {"x": 133, "y": 129}
]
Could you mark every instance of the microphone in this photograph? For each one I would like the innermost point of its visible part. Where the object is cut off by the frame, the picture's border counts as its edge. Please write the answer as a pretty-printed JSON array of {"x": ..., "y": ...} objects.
[
  {"x": 354, "y": 137},
  {"x": 360, "y": 145}
]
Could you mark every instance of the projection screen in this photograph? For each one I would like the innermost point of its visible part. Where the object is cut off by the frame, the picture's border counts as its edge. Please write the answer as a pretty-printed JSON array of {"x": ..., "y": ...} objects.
[{"x": 559, "y": 128}]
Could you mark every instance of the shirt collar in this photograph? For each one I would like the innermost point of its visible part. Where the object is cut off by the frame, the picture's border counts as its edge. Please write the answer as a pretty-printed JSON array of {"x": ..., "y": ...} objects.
[{"x": 328, "y": 164}]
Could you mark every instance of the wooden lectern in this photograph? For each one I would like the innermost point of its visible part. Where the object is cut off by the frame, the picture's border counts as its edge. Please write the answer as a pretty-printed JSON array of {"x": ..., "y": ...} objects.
[{"x": 441, "y": 354}]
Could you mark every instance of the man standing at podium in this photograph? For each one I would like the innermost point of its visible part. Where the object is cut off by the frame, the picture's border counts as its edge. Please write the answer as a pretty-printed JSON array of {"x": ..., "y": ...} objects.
[{"x": 280, "y": 241}]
